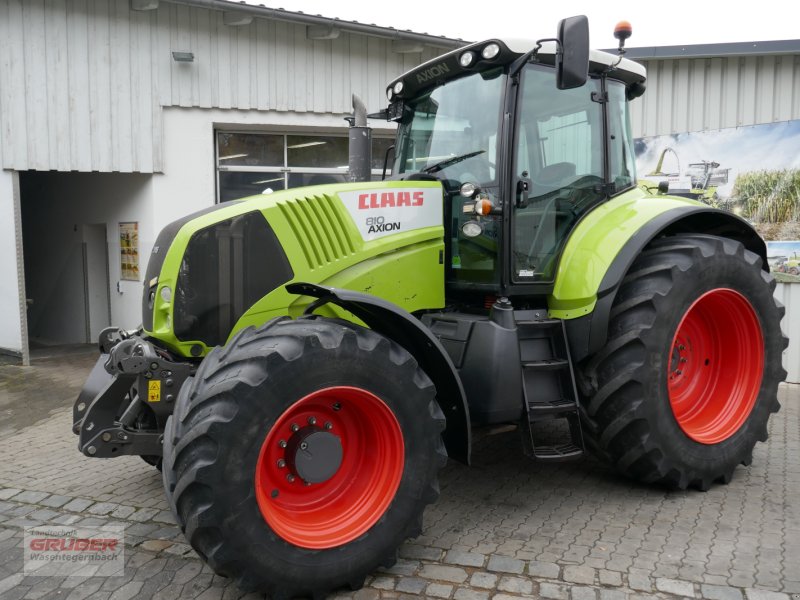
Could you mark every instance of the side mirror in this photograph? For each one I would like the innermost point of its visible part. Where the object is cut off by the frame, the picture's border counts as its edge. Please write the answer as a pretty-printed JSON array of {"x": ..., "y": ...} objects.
[{"x": 572, "y": 63}]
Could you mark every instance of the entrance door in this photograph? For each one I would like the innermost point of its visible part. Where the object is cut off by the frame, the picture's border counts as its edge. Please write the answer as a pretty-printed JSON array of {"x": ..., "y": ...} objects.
[{"x": 96, "y": 281}]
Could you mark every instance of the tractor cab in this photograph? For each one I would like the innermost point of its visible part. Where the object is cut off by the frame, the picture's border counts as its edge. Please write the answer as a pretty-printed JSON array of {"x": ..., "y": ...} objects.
[{"x": 526, "y": 138}]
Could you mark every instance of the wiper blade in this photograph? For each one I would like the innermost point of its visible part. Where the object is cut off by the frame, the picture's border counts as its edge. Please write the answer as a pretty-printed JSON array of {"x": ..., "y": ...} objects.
[{"x": 443, "y": 164}]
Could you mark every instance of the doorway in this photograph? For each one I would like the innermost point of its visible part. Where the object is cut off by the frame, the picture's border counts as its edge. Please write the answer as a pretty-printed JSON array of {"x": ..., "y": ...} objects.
[
  {"x": 73, "y": 283},
  {"x": 96, "y": 280}
]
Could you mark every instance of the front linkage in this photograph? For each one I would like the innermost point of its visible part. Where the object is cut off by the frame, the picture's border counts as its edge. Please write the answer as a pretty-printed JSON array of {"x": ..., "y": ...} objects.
[{"x": 130, "y": 392}]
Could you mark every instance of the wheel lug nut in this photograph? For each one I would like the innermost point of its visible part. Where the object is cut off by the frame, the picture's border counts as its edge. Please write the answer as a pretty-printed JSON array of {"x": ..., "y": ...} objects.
[
  {"x": 328, "y": 425},
  {"x": 281, "y": 463},
  {"x": 683, "y": 359},
  {"x": 337, "y": 406},
  {"x": 290, "y": 478},
  {"x": 282, "y": 443},
  {"x": 303, "y": 445},
  {"x": 681, "y": 347},
  {"x": 295, "y": 427},
  {"x": 306, "y": 483},
  {"x": 312, "y": 420},
  {"x": 678, "y": 372}
]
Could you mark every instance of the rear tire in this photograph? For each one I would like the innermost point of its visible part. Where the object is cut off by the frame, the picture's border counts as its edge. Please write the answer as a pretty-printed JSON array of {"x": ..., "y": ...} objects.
[
  {"x": 660, "y": 401},
  {"x": 232, "y": 466}
]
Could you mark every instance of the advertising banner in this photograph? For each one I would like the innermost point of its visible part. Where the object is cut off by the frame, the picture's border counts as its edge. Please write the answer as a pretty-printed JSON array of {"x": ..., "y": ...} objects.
[{"x": 752, "y": 171}]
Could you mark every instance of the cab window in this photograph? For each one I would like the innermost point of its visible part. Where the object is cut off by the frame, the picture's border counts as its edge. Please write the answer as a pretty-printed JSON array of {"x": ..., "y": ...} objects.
[{"x": 559, "y": 152}]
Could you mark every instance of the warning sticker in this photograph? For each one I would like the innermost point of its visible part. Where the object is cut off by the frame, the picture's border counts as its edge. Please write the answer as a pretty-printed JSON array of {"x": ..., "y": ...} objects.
[
  {"x": 154, "y": 391},
  {"x": 382, "y": 212}
]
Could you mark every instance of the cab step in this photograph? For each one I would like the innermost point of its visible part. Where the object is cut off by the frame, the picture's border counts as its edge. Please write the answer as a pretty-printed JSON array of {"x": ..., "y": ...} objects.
[{"x": 551, "y": 428}]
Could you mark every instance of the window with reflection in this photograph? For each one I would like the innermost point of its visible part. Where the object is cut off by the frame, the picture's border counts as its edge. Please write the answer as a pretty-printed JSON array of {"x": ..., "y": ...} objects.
[{"x": 252, "y": 163}]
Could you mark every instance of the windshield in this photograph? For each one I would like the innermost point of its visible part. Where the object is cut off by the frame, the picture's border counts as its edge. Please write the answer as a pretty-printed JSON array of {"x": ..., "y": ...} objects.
[{"x": 453, "y": 130}]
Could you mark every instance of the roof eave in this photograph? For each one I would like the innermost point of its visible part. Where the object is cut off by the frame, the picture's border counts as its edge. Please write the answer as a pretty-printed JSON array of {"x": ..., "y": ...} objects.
[
  {"x": 775, "y": 47},
  {"x": 279, "y": 14}
]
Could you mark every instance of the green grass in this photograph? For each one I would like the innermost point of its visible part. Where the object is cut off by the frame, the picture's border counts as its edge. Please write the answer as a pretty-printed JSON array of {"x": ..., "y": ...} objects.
[{"x": 768, "y": 196}]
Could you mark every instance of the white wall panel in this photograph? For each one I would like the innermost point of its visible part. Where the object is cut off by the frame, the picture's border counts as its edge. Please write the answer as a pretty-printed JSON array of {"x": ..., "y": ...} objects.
[
  {"x": 715, "y": 93},
  {"x": 83, "y": 82},
  {"x": 11, "y": 332},
  {"x": 789, "y": 295}
]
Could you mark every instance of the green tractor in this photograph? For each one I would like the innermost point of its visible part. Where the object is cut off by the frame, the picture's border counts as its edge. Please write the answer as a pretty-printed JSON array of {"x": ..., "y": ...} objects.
[{"x": 309, "y": 358}]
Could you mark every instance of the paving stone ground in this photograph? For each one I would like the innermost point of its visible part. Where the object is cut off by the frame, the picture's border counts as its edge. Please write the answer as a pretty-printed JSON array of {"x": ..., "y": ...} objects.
[{"x": 504, "y": 528}]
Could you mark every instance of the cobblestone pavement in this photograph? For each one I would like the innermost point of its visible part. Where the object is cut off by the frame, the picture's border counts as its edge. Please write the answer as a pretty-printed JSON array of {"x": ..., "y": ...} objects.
[{"x": 504, "y": 528}]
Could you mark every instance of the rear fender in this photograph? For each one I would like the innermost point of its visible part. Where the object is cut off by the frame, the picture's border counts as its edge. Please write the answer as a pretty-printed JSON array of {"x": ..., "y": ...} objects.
[
  {"x": 588, "y": 332},
  {"x": 402, "y": 327}
]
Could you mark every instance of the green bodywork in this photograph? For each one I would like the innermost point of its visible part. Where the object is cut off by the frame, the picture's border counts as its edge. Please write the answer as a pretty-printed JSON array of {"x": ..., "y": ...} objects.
[
  {"x": 324, "y": 246},
  {"x": 594, "y": 244}
]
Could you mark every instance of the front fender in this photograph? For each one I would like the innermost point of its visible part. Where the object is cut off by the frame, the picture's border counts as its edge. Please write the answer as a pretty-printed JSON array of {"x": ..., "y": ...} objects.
[{"x": 400, "y": 326}]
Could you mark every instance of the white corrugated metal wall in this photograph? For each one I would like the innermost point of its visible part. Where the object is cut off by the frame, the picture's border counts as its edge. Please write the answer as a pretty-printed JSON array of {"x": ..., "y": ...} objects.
[
  {"x": 789, "y": 295},
  {"x": 82, "y": 82},
  {"x": 715, "y": 93}
]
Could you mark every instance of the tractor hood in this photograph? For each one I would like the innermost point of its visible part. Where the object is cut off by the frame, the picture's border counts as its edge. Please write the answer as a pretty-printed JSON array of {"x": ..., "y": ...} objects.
[{"x": 224, "y": 268}]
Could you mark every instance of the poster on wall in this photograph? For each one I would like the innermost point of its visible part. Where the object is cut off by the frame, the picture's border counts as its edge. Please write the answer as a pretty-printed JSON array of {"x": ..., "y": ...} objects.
[
  {"x": 129, "y": 250},
  {"x": 752, "y": 171}
]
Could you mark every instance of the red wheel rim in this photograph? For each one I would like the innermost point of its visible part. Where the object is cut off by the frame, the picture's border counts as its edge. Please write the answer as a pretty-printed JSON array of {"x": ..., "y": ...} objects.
[
  {"x": 715, "y": 367},
  {"x": 344, "y": 506}
]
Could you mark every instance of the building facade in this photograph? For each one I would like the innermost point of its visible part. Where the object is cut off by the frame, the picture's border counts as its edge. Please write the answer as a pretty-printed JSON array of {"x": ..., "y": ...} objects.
[{"x": 119, "y": 116}]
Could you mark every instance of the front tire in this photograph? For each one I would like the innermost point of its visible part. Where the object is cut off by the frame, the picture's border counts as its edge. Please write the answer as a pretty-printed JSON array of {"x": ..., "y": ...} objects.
[
  {"x": 688, "y": 378},
  {"x": 302, "y": 455}
]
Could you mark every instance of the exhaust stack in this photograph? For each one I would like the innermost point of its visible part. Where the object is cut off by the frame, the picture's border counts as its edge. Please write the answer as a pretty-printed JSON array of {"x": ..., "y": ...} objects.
[{"x": 360, "y": 148}]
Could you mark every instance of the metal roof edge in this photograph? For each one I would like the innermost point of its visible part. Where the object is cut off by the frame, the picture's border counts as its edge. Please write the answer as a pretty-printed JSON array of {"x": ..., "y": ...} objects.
[
  {"x": 259, "y": 10},
  {"x": 713, "y": 50}
]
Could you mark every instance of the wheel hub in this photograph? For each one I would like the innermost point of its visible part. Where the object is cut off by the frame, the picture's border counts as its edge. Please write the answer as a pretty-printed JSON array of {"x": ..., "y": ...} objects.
[
  {"x": 715, "y": 366},
  {"x": 314, "y": 455},
  {"x": 329, "y": 467},
  {"x": 679, "y": 363}
]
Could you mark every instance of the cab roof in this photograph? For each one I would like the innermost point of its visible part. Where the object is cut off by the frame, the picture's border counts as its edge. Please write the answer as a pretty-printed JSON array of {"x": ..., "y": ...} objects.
[{"x": 447, "y": 66}]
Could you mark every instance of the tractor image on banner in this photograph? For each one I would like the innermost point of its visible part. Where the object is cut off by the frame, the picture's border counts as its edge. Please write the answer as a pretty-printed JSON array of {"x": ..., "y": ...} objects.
[
  {"x": 699, "y": 182},
  {"x": 308, "y": 359}
]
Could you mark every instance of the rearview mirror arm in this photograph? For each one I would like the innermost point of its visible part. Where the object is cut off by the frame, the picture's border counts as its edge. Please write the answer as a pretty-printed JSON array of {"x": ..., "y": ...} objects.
[{"x": 517, "y": 65}]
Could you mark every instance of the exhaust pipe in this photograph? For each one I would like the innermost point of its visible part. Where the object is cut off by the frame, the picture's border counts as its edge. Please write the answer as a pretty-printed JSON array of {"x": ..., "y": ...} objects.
[{"x": 360, "y": 147}]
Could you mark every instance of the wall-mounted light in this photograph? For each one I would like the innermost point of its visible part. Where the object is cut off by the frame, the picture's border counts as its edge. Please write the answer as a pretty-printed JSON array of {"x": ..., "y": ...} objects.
[
  {"x": 236, "y": 19},
  {"x": 407, "y": 47},
  {"x": 183, "y": 56},
  {"x": 322, "y": 32},
  {"x": 144, "y": 4}
]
